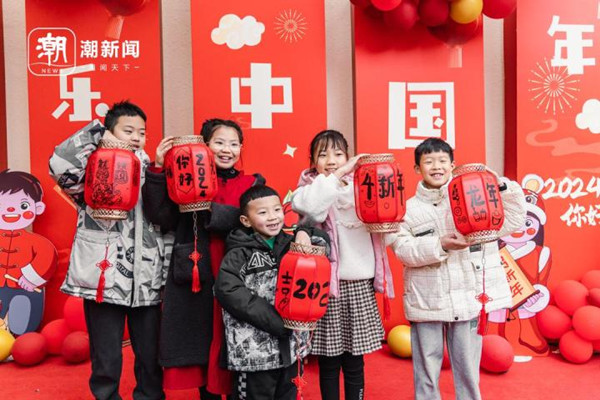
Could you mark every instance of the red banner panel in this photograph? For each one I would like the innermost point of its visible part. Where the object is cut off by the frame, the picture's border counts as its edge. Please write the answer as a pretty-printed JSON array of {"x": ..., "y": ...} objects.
[
  {"x": 262, "y": 64},
  {"x": 558, "y": 127},
  {"x": 3, "y": 143},
  {"x": 83, "y": 56},
  {"x": 410, "y": 86},
  {"x": 556, "y": 158}
]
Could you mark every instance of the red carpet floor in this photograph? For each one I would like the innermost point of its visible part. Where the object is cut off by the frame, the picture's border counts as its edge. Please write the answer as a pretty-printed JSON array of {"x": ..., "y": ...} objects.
[{"x": 387, "y": 377}]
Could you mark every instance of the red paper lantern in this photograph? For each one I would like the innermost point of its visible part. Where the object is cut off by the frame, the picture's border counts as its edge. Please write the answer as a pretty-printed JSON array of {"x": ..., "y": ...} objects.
[
  {"x": 191, "y": 173},
  {"x": 112, "y": 180},
  {"x": 379, "y": 193},
  {"x": 475, "y": 202},
  {"x": 118, "y": 10},
  {"x": 574, "y": 348},
  {"x": 497, "y": 354},
  {"x": 29, "y": 349},
  {"x": 586, "y": 322},
  {"x": 55, "y": 333},
  {"x": 570, "y": 295},
  {"x": 553, "y": 322},
  {"x": 499, "y": 8},
  {"x": 76, "y": 348},
  {"x": 303, "y": 286}
]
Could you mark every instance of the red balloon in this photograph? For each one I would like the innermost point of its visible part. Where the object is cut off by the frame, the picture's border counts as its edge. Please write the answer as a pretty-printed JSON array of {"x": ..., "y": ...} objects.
[
  {"x": 596, "y": 346},
  {"x": 591, "y": 279},
  {"x": 586, "y": 322},
  {"x": 76, "y": 348},
  {"x": 404, "y": 16},
  {"x": 29, "y": 349},
  {"x": 386, "y": 5},
  {"x": 497, "y": 354},
  {"x": 553, "y": 322},
  {"x": 570, "y": 295},
  {"x": 499, "y": 8},
  {"x": 55, "y": 333},
  {"x": 574, "y": 348},
  {"x": 594, "y": 297},
  {"x": 454, "y": 33},
  {"x": 119, "y": 9},
  {"x": 434, "y": 12},
  {"x": 362, "y": 4},
  {"x": 73, "y": 313}
]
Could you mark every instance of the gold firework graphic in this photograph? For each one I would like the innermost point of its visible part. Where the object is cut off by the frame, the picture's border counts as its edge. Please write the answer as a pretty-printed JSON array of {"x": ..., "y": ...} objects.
[
  {"x": 290, "y": 26},
  {"x": 553, "y": 88}
]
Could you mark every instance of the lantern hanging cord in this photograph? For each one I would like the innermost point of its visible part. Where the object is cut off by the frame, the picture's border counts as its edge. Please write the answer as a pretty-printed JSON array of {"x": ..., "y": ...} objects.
[
  {"x": 299, "y": 380},
  {"x": 482, "y": 323},
  {"x": 195, "y": 256}
]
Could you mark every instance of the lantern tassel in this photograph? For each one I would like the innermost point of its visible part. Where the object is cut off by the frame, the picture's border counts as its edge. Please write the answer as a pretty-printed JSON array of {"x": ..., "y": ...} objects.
[
  {"x": 103, "y": 265},
  {"x": 100, "y": 289},
  {"x": 482, "y": 325},
  {"x": 387, "y": 308},
  {"x": 195, "y": 279}
]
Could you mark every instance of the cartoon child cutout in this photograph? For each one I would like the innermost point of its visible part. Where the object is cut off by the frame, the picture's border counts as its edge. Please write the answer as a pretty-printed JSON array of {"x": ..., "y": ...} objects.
[
  {"x": 27, "y": 260},
  {"x": 526, "y": 246}
]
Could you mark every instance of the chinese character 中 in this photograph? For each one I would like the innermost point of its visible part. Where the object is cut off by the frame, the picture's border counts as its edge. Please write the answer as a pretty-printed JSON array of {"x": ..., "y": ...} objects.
[{"x": 261, "y": 107}]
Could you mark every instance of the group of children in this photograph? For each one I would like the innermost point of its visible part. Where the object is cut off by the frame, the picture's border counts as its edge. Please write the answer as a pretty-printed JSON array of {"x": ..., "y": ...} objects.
[{"x": 186, "y": 339}]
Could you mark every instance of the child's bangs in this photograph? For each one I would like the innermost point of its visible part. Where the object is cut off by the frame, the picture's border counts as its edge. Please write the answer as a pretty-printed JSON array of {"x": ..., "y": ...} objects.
[{"x": 331, "y": 142}]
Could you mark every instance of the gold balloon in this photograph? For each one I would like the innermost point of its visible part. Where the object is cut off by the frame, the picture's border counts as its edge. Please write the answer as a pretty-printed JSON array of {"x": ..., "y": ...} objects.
[
  {"x": 6, "y": 343},
  {"x": 399, "y": 341},
  {"x": 465, "y": 11}
]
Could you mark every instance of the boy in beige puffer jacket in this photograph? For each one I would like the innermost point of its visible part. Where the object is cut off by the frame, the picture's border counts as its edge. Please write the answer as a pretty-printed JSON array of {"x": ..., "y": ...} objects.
[{"x": 443, "y": 275}]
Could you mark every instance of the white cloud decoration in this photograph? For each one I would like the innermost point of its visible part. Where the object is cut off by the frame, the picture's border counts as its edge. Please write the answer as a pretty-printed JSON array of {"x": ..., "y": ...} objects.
[
  {"x": 589, "y": 117},
  {"x": 237, "y": 33}
]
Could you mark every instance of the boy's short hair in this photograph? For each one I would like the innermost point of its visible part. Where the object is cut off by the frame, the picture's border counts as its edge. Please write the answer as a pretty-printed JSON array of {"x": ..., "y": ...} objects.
[
  {"x": 433, "y": 145},
  {"x": 123, "y": 108},
  {"x": 14, "y": 181},
  {"x": 255, "y": 192},
  {"x": 211, "y": 125}
]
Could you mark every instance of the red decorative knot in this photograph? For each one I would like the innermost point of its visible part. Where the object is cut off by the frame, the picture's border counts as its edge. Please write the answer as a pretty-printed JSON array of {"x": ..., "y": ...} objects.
[
  {"x": 300, "y": 382},
  {"x": 104, "y": 264},
  {"x": 483, "y": 298},
  {"x": 195, "y": 256}
]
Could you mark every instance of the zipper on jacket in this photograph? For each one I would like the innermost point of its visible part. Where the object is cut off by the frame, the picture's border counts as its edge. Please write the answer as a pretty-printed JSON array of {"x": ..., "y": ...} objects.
[{"x": 427, "y": 232}]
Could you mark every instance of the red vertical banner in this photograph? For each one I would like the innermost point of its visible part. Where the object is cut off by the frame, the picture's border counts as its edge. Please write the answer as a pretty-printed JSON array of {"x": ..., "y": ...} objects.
[
  {"x": 558, "y": 133},
  {"x": 262, "y": 64},
  {"x": 3, "y": 143},
  {"x": 410, "y": 86},
  {"x": 83, "y": 56}
]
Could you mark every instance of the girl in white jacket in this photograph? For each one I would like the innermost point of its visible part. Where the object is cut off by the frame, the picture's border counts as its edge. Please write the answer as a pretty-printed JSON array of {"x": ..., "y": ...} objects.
[{"x": 352, "y": 325}]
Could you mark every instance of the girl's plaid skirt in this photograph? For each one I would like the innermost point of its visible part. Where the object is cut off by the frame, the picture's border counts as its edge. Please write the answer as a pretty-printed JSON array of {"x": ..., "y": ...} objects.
[{"x": 352, "y": 322}]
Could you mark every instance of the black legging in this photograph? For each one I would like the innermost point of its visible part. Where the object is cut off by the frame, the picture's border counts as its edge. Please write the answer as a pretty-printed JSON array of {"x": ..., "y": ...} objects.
[{"x": 353, "y": 368}]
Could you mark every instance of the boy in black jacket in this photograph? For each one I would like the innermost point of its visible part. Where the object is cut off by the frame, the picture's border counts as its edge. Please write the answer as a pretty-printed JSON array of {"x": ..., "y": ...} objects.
[{"x": 259, "y": 348}]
